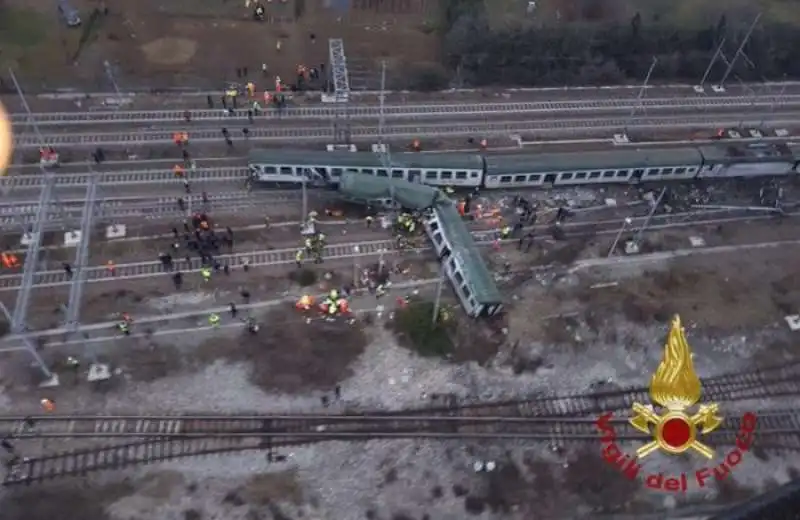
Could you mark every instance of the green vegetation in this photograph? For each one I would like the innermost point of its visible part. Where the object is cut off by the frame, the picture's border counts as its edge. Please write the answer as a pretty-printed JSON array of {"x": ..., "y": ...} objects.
[
  {"x": 415, "y": 330},
  {"x": 21, "y": 28}
]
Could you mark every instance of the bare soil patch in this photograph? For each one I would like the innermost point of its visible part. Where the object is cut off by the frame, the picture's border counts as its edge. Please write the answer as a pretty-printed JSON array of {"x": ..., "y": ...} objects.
[
  {"x": 64, "y": 501},
  {"x": 290, "y": 354},
  {"x": 170, "y": 51}
]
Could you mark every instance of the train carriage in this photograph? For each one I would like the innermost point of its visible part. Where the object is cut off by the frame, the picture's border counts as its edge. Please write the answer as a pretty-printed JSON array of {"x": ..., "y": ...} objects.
[
  {"x": 598, "y": 167},
  {"x": 752, "y": 160},
  {"x": 278, "y": 166}
]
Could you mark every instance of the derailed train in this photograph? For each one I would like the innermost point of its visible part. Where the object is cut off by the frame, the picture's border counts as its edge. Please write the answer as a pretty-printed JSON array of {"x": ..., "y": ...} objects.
[{"x": 531, "y": 170}]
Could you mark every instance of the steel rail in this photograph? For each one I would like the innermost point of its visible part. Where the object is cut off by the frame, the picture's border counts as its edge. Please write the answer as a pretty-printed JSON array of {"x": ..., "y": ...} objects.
[
  {"x": 278, "y": 133},
  {"x": 777, "y": 421},
  {"x": 29, "y": 470},
  {"x": 262, "y": 258},
  {"x": 151, "y": 177},
  {"x": 404, "y": 111}
]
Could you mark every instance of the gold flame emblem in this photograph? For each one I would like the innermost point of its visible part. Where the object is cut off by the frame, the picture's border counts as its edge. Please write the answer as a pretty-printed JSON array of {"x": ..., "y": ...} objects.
[{"x": 676, "y": 388}]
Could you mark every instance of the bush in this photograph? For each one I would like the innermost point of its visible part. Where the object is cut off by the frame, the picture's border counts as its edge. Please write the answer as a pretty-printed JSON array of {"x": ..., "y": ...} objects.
[
  {"x": 415, "y": 330},
  {"x": 303, "y": 277}
]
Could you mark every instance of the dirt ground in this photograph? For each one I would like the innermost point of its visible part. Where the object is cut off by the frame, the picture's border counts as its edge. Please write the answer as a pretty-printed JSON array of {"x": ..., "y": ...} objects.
[{"x": 154, "y": 45}]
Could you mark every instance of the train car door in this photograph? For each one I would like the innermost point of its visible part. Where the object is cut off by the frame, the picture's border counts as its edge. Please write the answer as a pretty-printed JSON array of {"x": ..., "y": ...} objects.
[{"x": 415, "y": 176}]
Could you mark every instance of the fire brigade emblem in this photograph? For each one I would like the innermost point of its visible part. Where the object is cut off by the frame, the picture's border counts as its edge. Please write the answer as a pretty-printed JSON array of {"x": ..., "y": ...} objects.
[{"x": 675, "y": 388}]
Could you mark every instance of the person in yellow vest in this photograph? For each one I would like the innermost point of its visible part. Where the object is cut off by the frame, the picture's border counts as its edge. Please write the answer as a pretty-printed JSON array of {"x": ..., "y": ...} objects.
[
  {"x": 505, "y": 232},
  {"x": 333, "y": 295},
  {"x": 298, "y": 257},
  {"x": 251, "y": 89},
  {"x": 332, "y": 309},
  {"x": 214, "y": 320},
  {"x": 206, "y": 274}
]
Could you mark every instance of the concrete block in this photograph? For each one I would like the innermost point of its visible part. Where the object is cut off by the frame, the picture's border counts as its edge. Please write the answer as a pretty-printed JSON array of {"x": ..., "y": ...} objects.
[
  {"x": 611, "y": 203},
  {"x": 379, "y": 148},
  {"x": 116, "y": 231},
  {"x": 631, "y": 248},
  {"x": 98, "y": 372},
  {"x": 700, "y": 89},
  {"x": 793, "y": 321},
  {"x": 697, "y": 241},
  {"x": 72, "y": 238},
  {"x": 50, "y": 383},
  {"x": 27, "y": 239},
  {"x": 781, "y": 132},
  {"x": 621, "y": 139},
  {"x": 719, "y": 89}
]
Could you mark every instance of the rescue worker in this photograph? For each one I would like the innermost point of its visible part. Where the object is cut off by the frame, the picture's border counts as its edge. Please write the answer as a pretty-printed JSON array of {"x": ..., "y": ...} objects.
[
  {"x": 252, "y": 326},
  {"x": 205, "y": 272},
  {"x": 213, "y": 320},
  {"x": 416, "y": 146},
  {"x": 251, "y": 89},
  {"x": 48, "y": 405},
  {"x": 309, "y": 244},
  {"x": 369, "y": 221},
  {"x": 124, "y": 327},
  {"x": 332, "y": 309},
  {"x": 505, "y": 232},
  {"x": 73, "y": 363},
  {"x": 343, "y": 306},
  {"x": 380, "y": 290},
  {"x": 298, "y": 257},
  {"x": 333, "y": 296},
  {"x": 112, "y": 269},
  {"x": 484, "y": 144},
  {"x": 178, "y": 170},
  {"x": 304, "y": 303}
]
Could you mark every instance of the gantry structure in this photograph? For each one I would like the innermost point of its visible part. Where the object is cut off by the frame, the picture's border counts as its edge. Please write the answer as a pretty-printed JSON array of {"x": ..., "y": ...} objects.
[
  {"x": 340, "y": 81},
  {"x": 79, "y": 238}
]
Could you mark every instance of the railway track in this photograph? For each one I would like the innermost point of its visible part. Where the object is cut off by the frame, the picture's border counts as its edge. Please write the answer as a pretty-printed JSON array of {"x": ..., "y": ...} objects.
[
  {"x": 278, "y": 133},
  {"x": 403, "y": 111},
  {"x": 778, "y": 430},
  {"x": 276, "y": 257},
  {"x": 150, "y": 177}
]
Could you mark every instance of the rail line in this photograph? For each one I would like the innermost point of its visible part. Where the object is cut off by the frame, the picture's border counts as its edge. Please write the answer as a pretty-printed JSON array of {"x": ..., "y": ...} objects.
[
  {"x": 163, "y": 176},
  {"x": 777, "y": 430},
  {"x": 277, "y": 257},
  {"x": 277, "y": 133},
  {"x": 423, "y": 111}
]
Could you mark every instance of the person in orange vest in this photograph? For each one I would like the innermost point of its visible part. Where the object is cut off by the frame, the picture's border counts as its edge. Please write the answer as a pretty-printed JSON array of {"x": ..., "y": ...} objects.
[
  {"x": 6, "y": 260},
  {"x": 112, "y": 269},
  {"x": 344, "y": 307},
  {"x": 305, "y": 303},
  {"x": 416, "y": 146},
  {"x": 267, "y": 98},
  {"x": 48, "y": 405},
  {"x": 177, "y": 138},
  {"x": 462, "y": 205},
  {"x": 179, "y": 171}
]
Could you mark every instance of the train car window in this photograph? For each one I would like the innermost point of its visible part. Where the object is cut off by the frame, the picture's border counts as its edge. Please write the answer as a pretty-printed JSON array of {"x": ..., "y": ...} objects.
[
  {"x": 653, "y": 171},
  {"x": 566, "y": 176},
  {"x": 595, "y": 175},
  {"x": 286, "y": 170},
  {"x": 638, "y": 173},
  {"x": 459, "y": 278},
  {"x": 622, "y": 173},
  {"x": 519, "y": 178},
  {"x": 608, "y": 174},
  {"x": 397, "y": 174},
  {"x": 414, "y": 174},
  {"x": 452, "y": 264},
  {"x": 466, "y": 291},
  {"x": 351, "y": 170},
  {"x": 666, "y": 171},
  {"x": 534, "y": 178},
  {"x": 336, "y": 172},
  {"x": 430, "y": 174},
  {"x": 505, "y": 179},
  {"x": 692, "y": 169},
  {"x": 369, "y": 171},
  {"x": 383, "y": 173},
  {"x": 678, "y": 171},
  {"x": 474, "y": 175},
  {"x": 550, "y": 178},
  {"x": 580, "y": 175},
  {"x": 461, "y": 175},
  {"x": 447, "y": 175},
  {"x": 269, "y": 169}
]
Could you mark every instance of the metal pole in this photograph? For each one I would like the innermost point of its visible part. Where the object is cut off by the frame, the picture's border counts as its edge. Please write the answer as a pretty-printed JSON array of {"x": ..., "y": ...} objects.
[
  {"x": 305, "y": 199},
  {"x": 29, "y": 346},
  {"x": 382, "y": 120},
  {"x": 739, "y": 50},
  {"x": 31, "y": 119},
  {"x": 626, "y": 222},
  {"x": 713, "y": 61},
  {"x": 638, "y": 239},
  {"x": 439, "y": 286},
  {"x": 644, "y": 86},
  {"x": 110, "y": 74}
]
